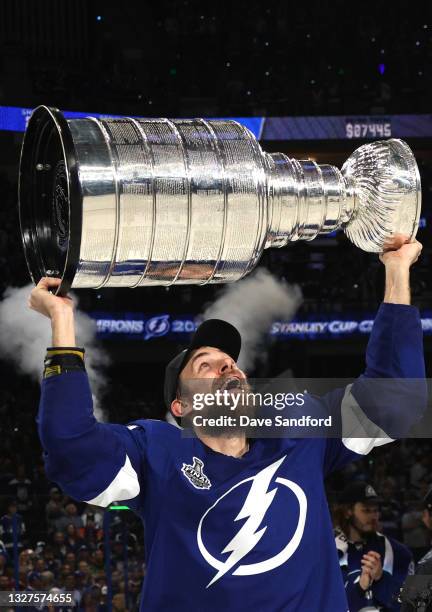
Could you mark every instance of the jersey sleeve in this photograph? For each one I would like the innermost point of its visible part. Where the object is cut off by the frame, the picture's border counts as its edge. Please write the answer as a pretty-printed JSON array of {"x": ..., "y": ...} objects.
[
  {"x": 94, "y": 462},
  {"x": 386, "y": 589},
  {"x": 390, "y": 397}
]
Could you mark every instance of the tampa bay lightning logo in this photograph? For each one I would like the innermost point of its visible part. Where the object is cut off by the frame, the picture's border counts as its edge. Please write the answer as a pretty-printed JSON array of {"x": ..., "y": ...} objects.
[
  {"x": 156, "y": 327},
  {"x": 255, "y": 524}
]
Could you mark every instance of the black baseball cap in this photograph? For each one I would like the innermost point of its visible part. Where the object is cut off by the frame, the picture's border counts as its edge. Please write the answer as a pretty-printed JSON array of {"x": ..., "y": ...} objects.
[
  {"x": 213, "y": 332},
  {"x": 359, "y": 492}
]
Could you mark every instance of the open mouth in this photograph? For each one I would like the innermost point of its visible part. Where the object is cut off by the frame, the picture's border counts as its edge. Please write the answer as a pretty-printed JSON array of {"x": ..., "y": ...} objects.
[{"x": 231, "y": 384}]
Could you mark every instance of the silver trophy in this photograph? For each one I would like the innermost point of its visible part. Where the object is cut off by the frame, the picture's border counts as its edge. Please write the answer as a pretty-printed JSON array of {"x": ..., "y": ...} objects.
[{"x": 143, "y": 202}]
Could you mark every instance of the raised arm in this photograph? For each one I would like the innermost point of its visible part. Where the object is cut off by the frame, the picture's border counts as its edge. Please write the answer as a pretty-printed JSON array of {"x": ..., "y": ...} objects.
[
  {"x": 91, "y": 461},
  {"x": 391, "y": 396},
  {"x": 397, "y": 269}
]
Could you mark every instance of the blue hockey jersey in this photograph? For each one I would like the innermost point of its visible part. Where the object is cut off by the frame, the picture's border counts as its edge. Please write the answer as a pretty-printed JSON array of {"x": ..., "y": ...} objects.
[
  {"x": 225, "y": 533},
  {"x": 397, "y": 563}
]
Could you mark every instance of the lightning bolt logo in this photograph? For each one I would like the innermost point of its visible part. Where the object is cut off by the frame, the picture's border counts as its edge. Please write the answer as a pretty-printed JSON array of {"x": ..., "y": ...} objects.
[{"x": 254, "y": 509}]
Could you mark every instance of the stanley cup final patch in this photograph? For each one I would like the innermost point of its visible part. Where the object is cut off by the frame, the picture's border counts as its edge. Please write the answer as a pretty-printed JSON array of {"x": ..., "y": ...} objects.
[{"x": 194, "y": 473}]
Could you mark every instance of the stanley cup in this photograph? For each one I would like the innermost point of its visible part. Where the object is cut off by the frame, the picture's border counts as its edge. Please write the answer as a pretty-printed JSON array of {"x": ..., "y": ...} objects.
[{"x": 144, "y": 202}]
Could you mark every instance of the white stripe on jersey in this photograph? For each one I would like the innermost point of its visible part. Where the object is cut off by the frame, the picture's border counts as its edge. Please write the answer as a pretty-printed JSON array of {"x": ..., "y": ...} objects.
[
  {"x": 124, "y": 486},
  {"x": 356, "y": 426}
]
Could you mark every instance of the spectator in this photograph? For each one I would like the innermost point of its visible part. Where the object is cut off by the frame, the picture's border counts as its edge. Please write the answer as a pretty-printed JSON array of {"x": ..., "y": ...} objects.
[
  {"x": 418, "y": 471},
  {"x": 70, "y": 559},
  {"x": 97, "y": 560},
  {"x": 5, "y": 583},
  {"x": 41, "y": 485},
  {"x": 3, "y": 560},
  {"x": 40, "y": 566},
  {"x": 374, "y": 566},
  {"x": 34, "y": 581},
  {"x": 8, "y": 523},
  {"x": 72, "y": 540},
  {"x": 65, "y": 569},
  {"x": 59, "y": 546},
  {"x": 119, "y": 603},
  {"x": 90, "y": 600},
  {"x": 84, "y": 571},
  {"x": 134, "y": 592},
  {"x": 93, "y": 515},
  {"x": 54, "y": 509},
  {"x": 47, "y": 580},
  {"x": 390, "y": 510},
  {"x": 92, "y": 532},
  {"x": 99, "y": 578},
  {"x": 71, "y": 517},
  {"x": 51, "y": 562},
  {"x": 25, "y": 561},
  {"x": 69, "y": 585},
  {"x": 81, "y": 580},
  {"x": 415, "y": 533},
  {"x": 6, "y": 466},
  {"x": 425, "y": 563},
  {"x": 21, "y": 489}
]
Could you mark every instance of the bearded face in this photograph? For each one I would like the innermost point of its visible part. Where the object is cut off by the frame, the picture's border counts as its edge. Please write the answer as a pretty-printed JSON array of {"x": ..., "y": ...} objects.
[{"x": 225, "y": 396}]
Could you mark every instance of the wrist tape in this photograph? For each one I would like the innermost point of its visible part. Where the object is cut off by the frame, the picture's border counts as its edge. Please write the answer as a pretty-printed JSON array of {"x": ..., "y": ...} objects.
[{"x": 61, "y": 359}]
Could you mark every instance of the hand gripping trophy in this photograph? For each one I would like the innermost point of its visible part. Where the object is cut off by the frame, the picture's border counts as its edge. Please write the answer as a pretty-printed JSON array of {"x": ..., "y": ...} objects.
[{"x": 144, "y": 202}]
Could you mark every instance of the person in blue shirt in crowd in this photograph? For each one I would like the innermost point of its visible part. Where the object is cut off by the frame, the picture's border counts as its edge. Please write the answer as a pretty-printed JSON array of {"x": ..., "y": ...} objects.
[
  {"x": 231, "y": 523},
  {"x": 424, "y": 565},
  {"x": 374, "y": 566},
  {"x": 12, "y": 527}
]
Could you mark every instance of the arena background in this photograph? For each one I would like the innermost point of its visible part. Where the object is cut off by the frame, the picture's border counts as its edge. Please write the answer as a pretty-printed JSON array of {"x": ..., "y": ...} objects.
[{"x": 312, "y": 80}]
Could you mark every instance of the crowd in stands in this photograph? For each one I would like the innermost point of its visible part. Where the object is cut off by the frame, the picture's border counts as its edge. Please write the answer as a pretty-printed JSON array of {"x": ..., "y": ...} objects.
[
  {"x": 62, "y": 542},
  {"x": 185, "y": 57},
  {"x": 401, "y": 474},
  {"x": 71, "y": 555}
]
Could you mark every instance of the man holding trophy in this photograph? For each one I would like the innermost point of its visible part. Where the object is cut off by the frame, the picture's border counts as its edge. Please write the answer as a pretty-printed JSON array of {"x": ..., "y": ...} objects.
[{"x": 231, "y": 523}]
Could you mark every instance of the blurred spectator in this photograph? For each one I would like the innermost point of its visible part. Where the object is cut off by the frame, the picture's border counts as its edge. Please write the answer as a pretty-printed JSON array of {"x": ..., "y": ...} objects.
[
  {"x": 47, "y": 580},
  {"x": 20, "y": 488},
  {"x": 83, "y": 553},
  {"x": 135, "y": 592},
  {"x": 10, "y": 522},
  {"x": 85, "y": 573},
  {"x": 70, "y": 559},
  {"x": 59, "y": 546},
  {"x": 6, "y": 466},
  {"x": 69, "y": 584},
  {"x": 119, "y": 603},
  {"x": 3, "y": 559},
  {"x": 90, "y": 600},
  {"x": 71, "y": 517},
  {"x": 418, "y": 472},
  {"x": 40, "y": 566},
  {"x": 25, "y": 561},
  {"x": 390, "y": 510},
  {"x": 73, "y": 542},
  {"x": 50, "y": 560},
  {"x": 97, "y": 562},
  {"x": 65, "y": 569},
  {"x": 93, "y": 523},
  {"x": 5, "y": 583},
  {"x": 92, "y": 515},
  {"x": 425, "y": 563},
  {"x": 415, "y": 533},
  {"x": 34, "y": 581},
  {"x": 54, "y": 509}
]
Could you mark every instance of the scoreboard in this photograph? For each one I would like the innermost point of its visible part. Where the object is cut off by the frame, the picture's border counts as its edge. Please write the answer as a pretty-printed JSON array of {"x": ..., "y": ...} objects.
[{"x": 347, "y": 127}]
